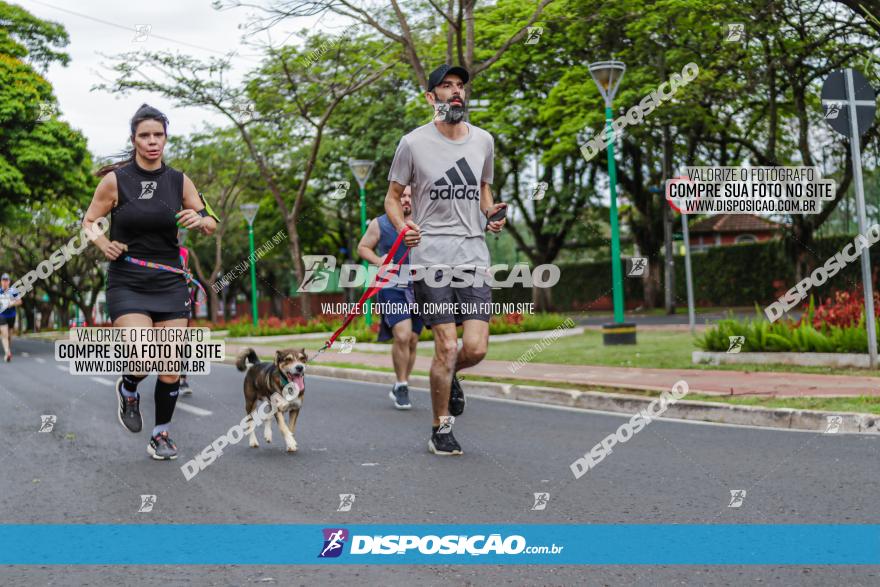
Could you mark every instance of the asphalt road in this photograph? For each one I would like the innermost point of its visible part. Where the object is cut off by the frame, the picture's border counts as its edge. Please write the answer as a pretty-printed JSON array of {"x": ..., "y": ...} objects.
[{"x": 90, "y": 470}]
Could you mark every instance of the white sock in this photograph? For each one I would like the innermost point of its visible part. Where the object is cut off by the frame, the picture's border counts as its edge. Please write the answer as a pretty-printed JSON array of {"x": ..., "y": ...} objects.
[{"x": 399, "y": 383}]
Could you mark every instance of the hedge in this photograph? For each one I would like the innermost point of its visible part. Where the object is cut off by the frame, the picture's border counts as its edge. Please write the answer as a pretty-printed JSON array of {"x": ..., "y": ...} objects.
[{"x": 735, "y": 275}]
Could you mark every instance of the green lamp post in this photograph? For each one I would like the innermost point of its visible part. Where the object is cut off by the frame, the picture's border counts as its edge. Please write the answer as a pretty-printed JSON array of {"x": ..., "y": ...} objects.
[
  {"x": 607, "y": 75},
  {"x": 361, "y": 169},
  {"x": 250, "y": 212}
]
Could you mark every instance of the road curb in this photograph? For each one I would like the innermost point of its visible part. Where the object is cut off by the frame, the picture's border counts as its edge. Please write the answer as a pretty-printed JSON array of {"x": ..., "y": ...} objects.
[
  {"x": 861, "y": 361},
  {"x": 787, "y": 418}
]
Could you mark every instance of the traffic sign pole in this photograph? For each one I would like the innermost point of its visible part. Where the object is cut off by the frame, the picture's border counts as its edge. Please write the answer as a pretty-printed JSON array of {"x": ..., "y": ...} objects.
[
  {"x": 855, "y": 150},
  {"x": 850, "y": 105},
  {"x": 688, "y": 274}
]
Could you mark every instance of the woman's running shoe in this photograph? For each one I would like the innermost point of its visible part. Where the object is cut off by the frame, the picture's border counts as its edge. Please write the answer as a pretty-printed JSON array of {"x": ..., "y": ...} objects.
[
  {"x": 162, "y": 448},
  {"x": 128, "y": 411}
]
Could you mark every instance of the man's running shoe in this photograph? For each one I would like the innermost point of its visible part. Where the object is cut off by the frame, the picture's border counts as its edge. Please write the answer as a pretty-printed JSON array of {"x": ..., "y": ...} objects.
[
  {"x": 456, "y": 398},
  {"x": 8, "y": 357},
  {"x": 129, "y": 412},
  {"x": 444, "y": 443},
  {"x": 185, "y": 389},
  {"x": 162, "y": 448},
  {"x": 400, "y": 395}
]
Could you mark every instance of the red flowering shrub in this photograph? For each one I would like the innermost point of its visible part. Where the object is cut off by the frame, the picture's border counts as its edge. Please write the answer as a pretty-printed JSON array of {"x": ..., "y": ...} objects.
[
  {"x": 513, "y": 318},
  {"x": 845, "y": 309}
]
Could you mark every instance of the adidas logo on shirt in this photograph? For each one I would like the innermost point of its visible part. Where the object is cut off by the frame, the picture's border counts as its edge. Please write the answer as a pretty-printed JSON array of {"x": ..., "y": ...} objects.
[{"x": 456, "y": 187}]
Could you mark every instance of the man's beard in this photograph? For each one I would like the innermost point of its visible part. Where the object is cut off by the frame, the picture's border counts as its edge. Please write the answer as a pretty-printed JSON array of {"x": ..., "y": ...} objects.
[
  {"x": 407, "y": 210},
  {"x": 454, "y": 112}
]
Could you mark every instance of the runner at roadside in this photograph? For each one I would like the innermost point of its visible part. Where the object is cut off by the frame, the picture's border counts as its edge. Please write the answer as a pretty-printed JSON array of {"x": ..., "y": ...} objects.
[
  {"x": 398, "y": 322},
  {"x": 9, "y": 299},
  {"x": 449, "y": 165},
  {"x": 147, "y": 201}
]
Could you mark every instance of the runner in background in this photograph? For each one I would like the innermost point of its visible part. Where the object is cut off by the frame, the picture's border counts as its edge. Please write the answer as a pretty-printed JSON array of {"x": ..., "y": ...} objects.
[
  {"x": 9, "y": 299},
  {"x": 398, "y": 321}
]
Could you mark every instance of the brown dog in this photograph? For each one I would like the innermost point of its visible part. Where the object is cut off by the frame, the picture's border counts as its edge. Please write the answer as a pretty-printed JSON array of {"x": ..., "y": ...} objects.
[{"x": 265, "y": 382}]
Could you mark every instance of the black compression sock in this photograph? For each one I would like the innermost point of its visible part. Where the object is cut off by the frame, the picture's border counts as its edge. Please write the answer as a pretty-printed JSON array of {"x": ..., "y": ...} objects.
[
  {"x": 166, "y": 398},
  {"x": 130, "y": 382}
]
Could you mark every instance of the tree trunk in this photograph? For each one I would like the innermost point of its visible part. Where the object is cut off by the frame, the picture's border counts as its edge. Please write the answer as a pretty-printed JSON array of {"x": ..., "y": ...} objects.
[
  {"x": 542, "y": 297},
  {"x": 296, "y": 255},
  {"x": 45, "y": 314},
  {"x": 651, "y": 281}
]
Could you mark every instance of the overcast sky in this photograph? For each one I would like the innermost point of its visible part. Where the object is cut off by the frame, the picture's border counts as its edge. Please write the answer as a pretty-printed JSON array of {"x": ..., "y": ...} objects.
[{"x": 193, "y": 25}]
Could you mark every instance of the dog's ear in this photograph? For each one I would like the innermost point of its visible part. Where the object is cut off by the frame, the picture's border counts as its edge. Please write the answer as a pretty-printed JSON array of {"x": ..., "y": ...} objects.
[
  {"x": 303, "y": 351},
  {"x": 279, "y": 356}
]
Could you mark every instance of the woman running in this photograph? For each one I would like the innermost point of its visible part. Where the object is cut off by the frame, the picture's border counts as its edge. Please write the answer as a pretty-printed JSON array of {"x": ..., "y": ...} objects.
[
  {"x": 9, "y": 299},
  {"x": 147, "y": 202}
]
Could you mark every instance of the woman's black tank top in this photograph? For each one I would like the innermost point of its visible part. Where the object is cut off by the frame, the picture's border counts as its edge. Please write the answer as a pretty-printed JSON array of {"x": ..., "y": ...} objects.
[{"x": 144, "y": 219}]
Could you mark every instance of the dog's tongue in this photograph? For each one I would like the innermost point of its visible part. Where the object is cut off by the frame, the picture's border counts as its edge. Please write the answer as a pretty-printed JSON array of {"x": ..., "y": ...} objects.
[{"x": 297, "y": 381}]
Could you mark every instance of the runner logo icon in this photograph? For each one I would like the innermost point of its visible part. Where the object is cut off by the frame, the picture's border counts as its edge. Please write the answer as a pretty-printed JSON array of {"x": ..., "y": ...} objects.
[
  {"x": 541, "y": 501},
  {"x": 346, "y": 500},
  {"x": 47, "y": 422},
  {"x": 147, "y": 503},
  {"x": 446, "y": 423},
  {"x": 456, "y": 187},
  {"x": 148, "y": 188},
  {"x": 317, "y": 272},
  {"x": 334, "y": 540}
]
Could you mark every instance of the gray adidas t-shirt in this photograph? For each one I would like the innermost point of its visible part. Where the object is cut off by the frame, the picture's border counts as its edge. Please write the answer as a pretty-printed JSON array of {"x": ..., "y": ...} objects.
[{"x": 445, "y": 178}]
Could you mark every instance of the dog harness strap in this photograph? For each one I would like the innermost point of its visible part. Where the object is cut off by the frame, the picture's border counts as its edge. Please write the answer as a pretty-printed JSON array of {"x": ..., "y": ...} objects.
[
  {"x": 372, "y": 290},
  {"x": 162, "y": 267}
]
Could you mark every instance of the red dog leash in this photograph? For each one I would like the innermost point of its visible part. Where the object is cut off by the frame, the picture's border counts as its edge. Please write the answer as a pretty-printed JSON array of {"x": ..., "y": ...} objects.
[{"x": 380, "y": 282}]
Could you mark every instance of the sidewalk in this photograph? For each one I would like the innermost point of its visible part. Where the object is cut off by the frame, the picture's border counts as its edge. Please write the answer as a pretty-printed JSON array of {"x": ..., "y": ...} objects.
[{"x": 712, "y": 382}]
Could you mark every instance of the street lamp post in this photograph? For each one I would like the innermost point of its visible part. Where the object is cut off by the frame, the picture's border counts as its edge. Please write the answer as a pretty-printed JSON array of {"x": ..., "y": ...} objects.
[
  {"x": 250, "y": 212},
  {"x": 607, "y": 75},
  {"x": 361, "y": 169}
]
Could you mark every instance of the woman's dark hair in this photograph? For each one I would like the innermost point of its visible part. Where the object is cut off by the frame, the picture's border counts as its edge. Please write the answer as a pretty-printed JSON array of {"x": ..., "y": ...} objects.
[{"x": 145, "y": 112}]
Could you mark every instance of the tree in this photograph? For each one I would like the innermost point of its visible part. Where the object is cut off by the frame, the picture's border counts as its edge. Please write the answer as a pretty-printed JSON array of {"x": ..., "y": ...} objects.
[
  {"x": 40, "y": 156},
  {"x": 221, "y": 169},
  {"x": 293, "y": 108},
  {"x": 45, "y": 167}
]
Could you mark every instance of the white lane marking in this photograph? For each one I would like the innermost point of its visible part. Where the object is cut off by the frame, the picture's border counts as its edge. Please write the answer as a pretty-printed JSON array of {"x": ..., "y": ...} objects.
[
  {"x": 184, "y": 407},
  {"x": 25, "y": 354},
  {"x": 62, "y": 368},
  {"x": 40, "y": 360},
  {"x": 369, "y": 464},
  {"x": 193, "y": 409}
]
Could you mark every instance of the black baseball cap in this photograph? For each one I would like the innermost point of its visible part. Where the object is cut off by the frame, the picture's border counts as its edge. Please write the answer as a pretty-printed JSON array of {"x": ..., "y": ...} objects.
[{"x": 438, "y": 74}]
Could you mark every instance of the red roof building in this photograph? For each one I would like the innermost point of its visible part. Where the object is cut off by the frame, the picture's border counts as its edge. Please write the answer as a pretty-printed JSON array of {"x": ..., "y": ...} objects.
[{"x": 729, "y": 229}]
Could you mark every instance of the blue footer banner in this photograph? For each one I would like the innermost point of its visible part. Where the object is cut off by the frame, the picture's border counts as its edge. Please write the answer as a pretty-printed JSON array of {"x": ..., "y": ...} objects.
[{"x": 480, "y": 544}]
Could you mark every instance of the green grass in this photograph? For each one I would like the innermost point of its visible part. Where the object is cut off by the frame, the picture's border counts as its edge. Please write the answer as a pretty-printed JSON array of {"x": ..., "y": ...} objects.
[
  {"x": 655, "y": 350},
  {"x": 679, "y": 311},
  {"x": 861, "y": 404}
]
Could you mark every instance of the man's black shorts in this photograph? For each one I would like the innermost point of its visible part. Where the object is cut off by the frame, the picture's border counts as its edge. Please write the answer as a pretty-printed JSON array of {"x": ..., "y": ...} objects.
[{"x": 447, "y": 304}]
